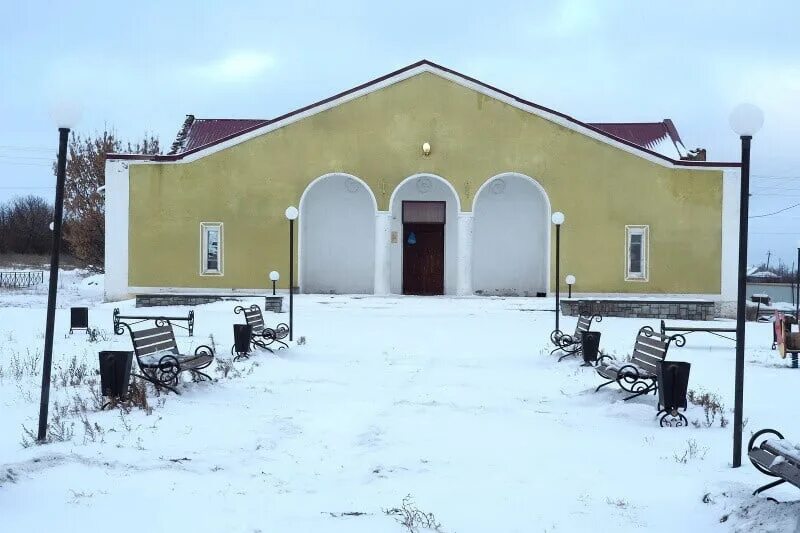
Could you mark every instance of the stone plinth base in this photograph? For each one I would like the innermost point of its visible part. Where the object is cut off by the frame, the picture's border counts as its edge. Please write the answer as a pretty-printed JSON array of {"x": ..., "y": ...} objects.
[{"x": 640, "y": 308}]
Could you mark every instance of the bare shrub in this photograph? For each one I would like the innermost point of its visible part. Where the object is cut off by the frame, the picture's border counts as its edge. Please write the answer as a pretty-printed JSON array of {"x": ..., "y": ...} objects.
[
  {"x": 58, "y": 429},
  {"x": 97, "y": 335},
  {"x": 91, "y": 432},
  {"x": 712, "y": 406},
  {"x": 692, "y": 452},
  {"x": 619, "y": 503},
  {"x": 137, "y": 398},
  {"x": 412, "y": 518},
  {"x": 225, "y": 368},
  {"x": 71, "y": 375}
]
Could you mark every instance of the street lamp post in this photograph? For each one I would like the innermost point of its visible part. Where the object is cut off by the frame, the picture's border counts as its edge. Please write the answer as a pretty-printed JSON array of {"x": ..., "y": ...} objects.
[
  {"x": 65, "y": 117},
  {"x": 558, "y": 219},
  {"x": 796, "y": 285},
  {"x": 274, "y": 276},
  {"x": 745, "y": 120},
  {"x": 570, "y": 279},
  {"x": 291, "y": 214}
]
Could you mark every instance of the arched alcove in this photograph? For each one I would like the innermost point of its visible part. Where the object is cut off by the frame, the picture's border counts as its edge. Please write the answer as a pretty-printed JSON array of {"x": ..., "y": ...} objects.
[
  {"x": 511, "y": 237},
  {"x": 337, "y": 236},
  {"x": 424, "y": 188}
]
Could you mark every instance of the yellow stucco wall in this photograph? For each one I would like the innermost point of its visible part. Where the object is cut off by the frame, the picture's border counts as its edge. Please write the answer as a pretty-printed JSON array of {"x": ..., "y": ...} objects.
[{"x": 377, "y": 137}]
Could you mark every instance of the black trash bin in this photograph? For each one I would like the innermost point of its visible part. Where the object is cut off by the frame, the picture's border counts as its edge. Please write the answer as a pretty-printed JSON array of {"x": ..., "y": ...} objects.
[
  {"x": 241, "y": 340},
  {"x": 78, "y": 318},
  {"x": 590, "y": 346},
  {"x": 673, "y": 384},
  {"x": 115, "y": 373}
]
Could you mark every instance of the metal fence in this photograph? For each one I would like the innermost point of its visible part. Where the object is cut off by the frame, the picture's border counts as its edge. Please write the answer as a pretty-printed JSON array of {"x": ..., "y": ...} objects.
[{"x": 21, "y": 279}]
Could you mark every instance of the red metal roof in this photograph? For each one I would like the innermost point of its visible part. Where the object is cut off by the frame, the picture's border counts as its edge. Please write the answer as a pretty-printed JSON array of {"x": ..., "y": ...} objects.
[
  {"x": 200, "y": 132},
  {"x": 209, "y": 132},
  {"x": 644, "y": 134}
]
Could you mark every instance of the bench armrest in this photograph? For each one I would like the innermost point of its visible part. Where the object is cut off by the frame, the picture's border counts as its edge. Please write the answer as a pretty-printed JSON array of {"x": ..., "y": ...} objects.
[
  {"x": 629, "y": 371},
  {"x": 555, "y": 336},
  {"x": 204, "y": 350},
  {"x": 603, "y": 356}
]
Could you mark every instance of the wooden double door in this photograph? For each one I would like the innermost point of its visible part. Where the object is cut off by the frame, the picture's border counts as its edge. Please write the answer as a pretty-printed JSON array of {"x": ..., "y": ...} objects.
[{"x": 423, "y": 247}]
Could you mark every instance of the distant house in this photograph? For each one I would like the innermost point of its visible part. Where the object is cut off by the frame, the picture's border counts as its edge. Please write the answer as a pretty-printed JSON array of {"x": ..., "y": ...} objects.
[
  {"x": 762, "y": 275},
  {"x": 423, "y": 181}
]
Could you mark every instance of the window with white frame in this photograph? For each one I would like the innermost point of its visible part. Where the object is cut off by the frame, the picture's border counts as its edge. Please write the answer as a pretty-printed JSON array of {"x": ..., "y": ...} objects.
[
  {"x": 636, "y": 253},
  {"x": 211, "y": 248}
]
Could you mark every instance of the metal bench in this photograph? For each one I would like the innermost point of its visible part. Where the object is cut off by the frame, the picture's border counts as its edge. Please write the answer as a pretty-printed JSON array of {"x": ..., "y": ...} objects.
[
  {"x": 571, "y": 344},
  {"x": 686, "y": 330},
  {"x": 261, "y": 336},
  {"x": 160, "y": 320},
  {"x": 775, "y": 457},
  {"x": 160, "y": 362},
  {"x": 638, "y": 375}
]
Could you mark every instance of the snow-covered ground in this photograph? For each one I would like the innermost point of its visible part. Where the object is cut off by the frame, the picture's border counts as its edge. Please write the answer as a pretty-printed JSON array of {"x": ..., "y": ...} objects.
[{"x": 454, "y": 402}]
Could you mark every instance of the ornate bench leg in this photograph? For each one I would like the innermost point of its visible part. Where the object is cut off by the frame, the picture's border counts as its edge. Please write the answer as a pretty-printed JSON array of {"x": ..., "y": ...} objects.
[
  {"x": 157, "y": 383},
  {"x": 283, "y": 344},
  {"x": 604, "y": 384},
  {"x": 256, "y": 343},
  {"x": 203, "y": 375},
  {"x": 672, "y": 419},
  {"x": 768, "y": 486},
  {"x": 639, "y": 392},
  {"x": 568, "y": 353}
]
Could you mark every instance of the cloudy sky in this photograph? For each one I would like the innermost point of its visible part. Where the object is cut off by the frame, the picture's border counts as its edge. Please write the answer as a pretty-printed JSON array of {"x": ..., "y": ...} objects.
[{"x": 141, "y": 66}]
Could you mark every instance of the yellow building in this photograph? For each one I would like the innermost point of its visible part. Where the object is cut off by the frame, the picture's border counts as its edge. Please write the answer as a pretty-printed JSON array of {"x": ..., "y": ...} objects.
[{"x": 423, "y": 181}]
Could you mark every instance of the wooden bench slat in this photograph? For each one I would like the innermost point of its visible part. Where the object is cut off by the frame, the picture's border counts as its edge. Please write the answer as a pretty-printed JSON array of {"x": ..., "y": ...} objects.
[
  {"x": 653, "y": 352},
  {"x": 150, "y": 331},
  {"x": 153, "y": 338},
  {"x": 160, "y": 347},
  {"x": 786, "y": 469},
  {"x": 646, "y": 358},
  {"x": 160, "y": 339},
  {"x": 653, "y": 341}
]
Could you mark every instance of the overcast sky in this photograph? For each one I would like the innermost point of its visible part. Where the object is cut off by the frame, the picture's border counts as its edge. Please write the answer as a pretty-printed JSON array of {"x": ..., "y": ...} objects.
[{"x": 141, "y": 66}]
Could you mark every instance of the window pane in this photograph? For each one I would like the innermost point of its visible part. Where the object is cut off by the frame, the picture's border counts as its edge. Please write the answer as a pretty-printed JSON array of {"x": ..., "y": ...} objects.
[
  {"x": 635, "y": 254},
  {"x": 212, "y": 249}
]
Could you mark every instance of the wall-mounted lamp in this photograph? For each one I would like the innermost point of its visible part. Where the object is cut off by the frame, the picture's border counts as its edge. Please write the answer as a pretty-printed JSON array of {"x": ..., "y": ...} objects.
[{"x": 426, "y": 148}]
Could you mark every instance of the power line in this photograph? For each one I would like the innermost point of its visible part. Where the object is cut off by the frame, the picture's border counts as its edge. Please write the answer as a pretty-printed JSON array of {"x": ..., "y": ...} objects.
[
  {"x": 26, "y": 187},
  {"x": 24, "y": 164},
  {"x": 775, "y": 212},
  {"x": 763, "y": 177},
  {"x": 24, "y": 147},
  {"x": 27, "y": 157}
]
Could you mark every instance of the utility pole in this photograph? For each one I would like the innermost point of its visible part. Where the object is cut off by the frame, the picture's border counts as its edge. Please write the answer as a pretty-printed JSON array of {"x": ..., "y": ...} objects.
[{"x": 769, "y": 253}]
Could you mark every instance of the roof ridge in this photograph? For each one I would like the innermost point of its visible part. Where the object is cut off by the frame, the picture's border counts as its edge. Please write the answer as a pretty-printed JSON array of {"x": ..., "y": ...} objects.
[{"x": 555, "y": 116}]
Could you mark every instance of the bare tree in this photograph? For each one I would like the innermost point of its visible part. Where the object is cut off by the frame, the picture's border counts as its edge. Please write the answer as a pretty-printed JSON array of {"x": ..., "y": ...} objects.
[
  {"x": 25, "y": 225},
  {"x": 83, "y": 201}
]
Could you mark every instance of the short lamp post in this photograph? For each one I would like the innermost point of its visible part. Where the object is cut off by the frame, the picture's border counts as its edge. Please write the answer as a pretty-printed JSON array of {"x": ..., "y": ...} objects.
[
  {"x": 745, "y": 120},
  {"x": 797, "y": 287},
  {"x": 291, "y": 214},
  {"x": 65, "y": 117},
  {"x": 570, "y": 279},
  {"x": 558, "y": 219},
  {"x": 274, "y": 277}
]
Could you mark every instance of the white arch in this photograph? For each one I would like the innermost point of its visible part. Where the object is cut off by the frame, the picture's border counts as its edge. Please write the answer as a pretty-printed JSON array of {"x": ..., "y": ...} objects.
[
  {"x": 329, "y": 175},
  {"x": 515, "y": 175},
  {"x": 441, "y": 190},
  {"x": 548, "y": 213},
  {"x": 425, "y": 175},
  {"x": 302, "y": 205}
]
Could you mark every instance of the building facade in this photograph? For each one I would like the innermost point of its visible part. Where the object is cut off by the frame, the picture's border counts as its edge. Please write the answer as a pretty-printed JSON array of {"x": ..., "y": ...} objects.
[{"x": 423, "y": 181}]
